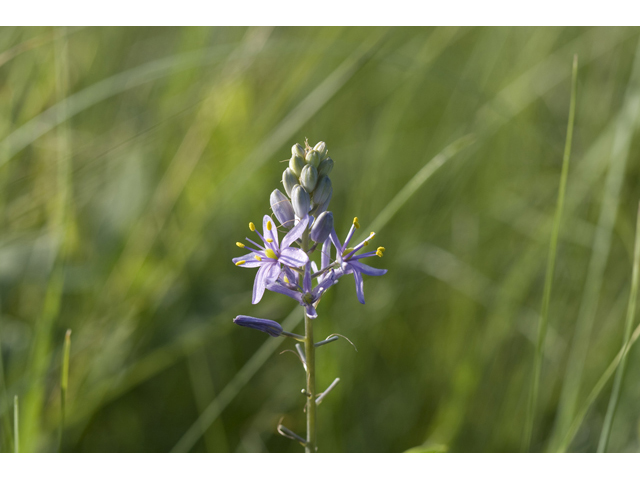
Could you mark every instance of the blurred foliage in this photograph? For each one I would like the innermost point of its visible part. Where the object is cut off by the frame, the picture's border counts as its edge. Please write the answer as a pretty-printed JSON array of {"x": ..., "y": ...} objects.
[{"x": 132, "y": 159}]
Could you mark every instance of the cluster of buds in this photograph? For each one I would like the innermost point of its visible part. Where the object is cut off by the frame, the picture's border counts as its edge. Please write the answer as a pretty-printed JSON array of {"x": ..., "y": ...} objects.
[{"x": 306, "y": 182}]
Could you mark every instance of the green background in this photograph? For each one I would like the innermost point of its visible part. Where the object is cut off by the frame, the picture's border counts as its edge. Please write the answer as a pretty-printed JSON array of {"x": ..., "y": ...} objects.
[{"x": 132, "y": 160}]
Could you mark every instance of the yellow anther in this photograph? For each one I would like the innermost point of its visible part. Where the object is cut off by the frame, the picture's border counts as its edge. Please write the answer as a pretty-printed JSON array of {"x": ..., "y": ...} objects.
[
  {"x": 252, "y": 227},
  {"x": 269, "y": 240},
  {"x": 241, "y": 245},
  {"x": 348, "y": 250},
  {"x": 241, "y": 262},
  {"x": 258, "y": 257},
  {"x": 286, "y": 280},
  {"x": 371, "y": 235},
  {"x": 271, "y": 254},
  {"x": 355, "y": 222},
  {"x": 382, "y": 249},
  {"x": 379, "y": 253},
  {"x": 365, "y": 243},
  {"x": 269, "y": 225}
]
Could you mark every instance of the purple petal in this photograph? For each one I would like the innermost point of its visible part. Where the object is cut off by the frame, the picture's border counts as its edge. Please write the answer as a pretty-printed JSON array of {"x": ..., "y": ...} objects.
[
  {"x": 260, "y": 282},
  {"x": 249, "y": 259},
  {"x": 306, "y": 281},
  {"x": 293, "y": 257},
  {"x": 367, "y": 270},
  {"x": 276, "y": 287},
  {"x": 270, "y": 234},
  {"x": 357, "y": 276},
  {"x": 310, "y": 311},
  {"x": 324, "y": 284},
  {"x": 295, "y": 233},
  {"x": 325, "y": 258},
  {"x": 334, "y": 238},
  {"x": 273, "y": 274}
]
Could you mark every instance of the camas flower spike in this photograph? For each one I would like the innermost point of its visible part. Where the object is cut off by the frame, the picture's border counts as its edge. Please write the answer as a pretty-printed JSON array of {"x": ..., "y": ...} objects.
[{"x": 287, "y": 269}]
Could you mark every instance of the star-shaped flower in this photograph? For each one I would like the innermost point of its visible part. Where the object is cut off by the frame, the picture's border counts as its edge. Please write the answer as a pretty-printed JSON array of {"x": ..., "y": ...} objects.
[
  {"x": 268, "y": 258},
  {"x": 350, "y": 263}
]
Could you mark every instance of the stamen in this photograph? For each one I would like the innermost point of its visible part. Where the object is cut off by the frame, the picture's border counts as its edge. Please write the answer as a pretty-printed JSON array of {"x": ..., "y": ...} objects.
[
  {"x": 355, "y": 222},
  {"x": 252, "y": 227},
  {"x": 366, "y": 243},
  {"x": 241, "y": 245},
  {"x": 286, "y": 279},
  {"x": 269, "y": 225},
  {"x": 271, "y": 254},
  {"x": 257, "y": 257},
  {"x": 241, "y": 262},
  {"x": 379, "y": 253},
  {"x": 372, "y": 234},
  {"x": 382, "y": 249},
  {"x": 269, "y": 240}
]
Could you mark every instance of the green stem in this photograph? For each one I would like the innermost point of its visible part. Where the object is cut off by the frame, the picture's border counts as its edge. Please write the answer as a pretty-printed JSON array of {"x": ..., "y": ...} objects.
[{"x": 310, "y": 354}]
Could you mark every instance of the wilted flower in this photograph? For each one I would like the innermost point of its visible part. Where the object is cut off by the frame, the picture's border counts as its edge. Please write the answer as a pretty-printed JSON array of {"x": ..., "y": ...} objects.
[{"x": 268, "y": 258}]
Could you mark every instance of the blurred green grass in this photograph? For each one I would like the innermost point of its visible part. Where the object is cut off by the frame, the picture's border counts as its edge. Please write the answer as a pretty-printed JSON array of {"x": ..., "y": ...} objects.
[{"x": 132, "y": 159}]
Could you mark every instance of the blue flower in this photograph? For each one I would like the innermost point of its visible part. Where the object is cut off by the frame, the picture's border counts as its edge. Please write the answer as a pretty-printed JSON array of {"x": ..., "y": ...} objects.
[
  {"x": 267, "y": 326},
  {"x": 307, "y": 296},
  {"x": 268, "y": 258},
  {"x": 349, "y": 262}
]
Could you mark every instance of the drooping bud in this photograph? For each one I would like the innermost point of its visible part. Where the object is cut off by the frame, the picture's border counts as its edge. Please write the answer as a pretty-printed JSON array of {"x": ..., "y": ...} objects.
[
  {"x": 300, "y": 200},
  {"x": 325, "y": 166},
  {"x": 282, "y": 208},
  {"x": 309, "y": 177},
  {"x": 296, "y": 164},
  {"x": 267, "y": 326},
  {"x": 323, "y": 190},
  {"x": 322, "y": 227},
  {"x": 298, "y": 150},
  {"x": 321, "y": 148},
  {"x": 289, "y": 180},
  {"x": 313, "y": 158}
]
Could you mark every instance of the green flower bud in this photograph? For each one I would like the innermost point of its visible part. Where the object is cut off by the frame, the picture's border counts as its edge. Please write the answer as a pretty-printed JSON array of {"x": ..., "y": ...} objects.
[
  {"x": 301, "y": 201},
  {"x": 309, "y": 177},
  {"x": 321, "y": 148},
  {"x": 325, "y": 166},
  {"x": 313, "y": 158},
  {"x": 323, "y": 190},
  {"x": 296, "y": 164},
  {"x": 289, "y": 180},
  {"x": 297, "y": 150}
]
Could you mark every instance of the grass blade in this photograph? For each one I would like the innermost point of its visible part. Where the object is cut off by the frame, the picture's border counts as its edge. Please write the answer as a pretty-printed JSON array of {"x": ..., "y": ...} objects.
[
  {"x": 64, "y": 382},
  {"x": 628, "y": 122},
  {"x": 16, "y": 429},
  {"x": 631, "y": 312},
  {"x": 548, "y": 281}
]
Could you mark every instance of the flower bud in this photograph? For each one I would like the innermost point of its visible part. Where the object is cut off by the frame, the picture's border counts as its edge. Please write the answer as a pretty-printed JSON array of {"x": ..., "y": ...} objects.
[
  {"x": 323, "y": 190},
  {"x": 267, "y": 326},
  {"x": 325, "y": 166},
  {"x": 313, "y": 158},
  {"x": 300, "y": 200},
  {"x": 296, "y": 164},
  {"x": 309, "y": 178},
  {"x": 289, "y": 180},
  {"x": 321, "y": 148},
  {"x": 297, "y": 150},
  {"x": 282, "y": 208},
  {"x": 321, "y": 207},
  {"x": 322, "y": 227}
]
